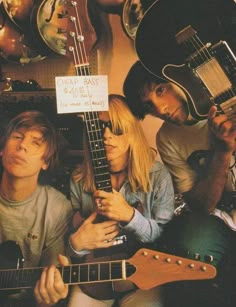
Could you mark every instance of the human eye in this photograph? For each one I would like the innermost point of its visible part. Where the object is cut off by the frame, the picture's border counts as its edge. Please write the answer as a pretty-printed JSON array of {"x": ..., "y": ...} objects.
[
  {"x": 16, "y": 135},
  {"x": 160, "y": 90},
  {"x": 36, "y": 142},
  {"x": 118, "y": 131}
]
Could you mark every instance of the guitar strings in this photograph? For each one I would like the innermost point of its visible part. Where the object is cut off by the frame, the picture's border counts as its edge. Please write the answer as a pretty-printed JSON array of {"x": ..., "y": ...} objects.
[
  {"x": 82, "y": 68},
  {"x": 204, "y": 54}
]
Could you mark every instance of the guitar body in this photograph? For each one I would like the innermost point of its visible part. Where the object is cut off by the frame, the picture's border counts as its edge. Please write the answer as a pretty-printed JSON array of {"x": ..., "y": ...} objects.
[
  {"x": 10, "y": 255},
  {"x": 19, "y": 12},
  {"x": 159, "y": 50},
  {"x": 14, "y": 44},
  {"x": 184, "y": 78},
  {"x": 49, "y": 21},
  {"x": 10, "y": 258},
  {"x": 105, "y": 291}
]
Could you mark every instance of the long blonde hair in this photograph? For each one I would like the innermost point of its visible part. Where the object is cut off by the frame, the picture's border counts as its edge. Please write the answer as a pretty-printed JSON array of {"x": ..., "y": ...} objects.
[{"x": 141, "y": 156}]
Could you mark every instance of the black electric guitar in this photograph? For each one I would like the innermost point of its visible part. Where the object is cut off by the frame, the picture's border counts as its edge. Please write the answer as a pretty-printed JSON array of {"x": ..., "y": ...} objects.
[
  {"x": 146, "y": 269},
  {"x": 193, "y": 44}
]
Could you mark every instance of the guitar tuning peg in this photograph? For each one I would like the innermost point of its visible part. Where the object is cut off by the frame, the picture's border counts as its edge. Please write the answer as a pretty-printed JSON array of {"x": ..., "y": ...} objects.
[{"x": 209, "y": 258}]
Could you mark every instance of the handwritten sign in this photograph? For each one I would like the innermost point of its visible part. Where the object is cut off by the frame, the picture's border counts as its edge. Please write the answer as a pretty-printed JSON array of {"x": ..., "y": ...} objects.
[{"x": 81, "y": 93}]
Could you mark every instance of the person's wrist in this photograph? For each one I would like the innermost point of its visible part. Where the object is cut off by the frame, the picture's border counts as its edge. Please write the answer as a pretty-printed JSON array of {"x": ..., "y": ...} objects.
[
  {"x": 73, "y": 242},
  {"x": 130, "y": 217}
]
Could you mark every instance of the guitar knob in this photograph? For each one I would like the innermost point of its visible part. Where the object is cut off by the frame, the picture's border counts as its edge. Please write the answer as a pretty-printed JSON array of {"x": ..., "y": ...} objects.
[
  {"x": 209, "y": 258},
  {"x": 197, "y": 256}
]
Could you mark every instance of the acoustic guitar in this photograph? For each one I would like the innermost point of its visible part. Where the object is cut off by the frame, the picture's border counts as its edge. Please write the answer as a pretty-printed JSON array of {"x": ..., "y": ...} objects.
[
  {"x": 49, "y": 23},
  {"x": 146, "y": 269},
  {"x": 193, "y": 44}
]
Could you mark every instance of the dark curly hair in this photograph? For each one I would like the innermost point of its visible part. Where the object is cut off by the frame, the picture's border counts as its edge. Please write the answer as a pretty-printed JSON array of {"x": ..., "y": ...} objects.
[{"x": 138, "y": 77}]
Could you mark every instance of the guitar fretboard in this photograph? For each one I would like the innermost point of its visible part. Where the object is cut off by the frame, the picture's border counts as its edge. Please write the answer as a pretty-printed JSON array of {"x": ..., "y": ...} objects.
[
  {"x": 97, "y": 152},
  {"x": 74, "y": 274}
]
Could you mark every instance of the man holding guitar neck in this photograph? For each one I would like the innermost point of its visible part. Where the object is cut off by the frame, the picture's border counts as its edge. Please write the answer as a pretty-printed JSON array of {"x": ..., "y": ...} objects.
[
  {"x": 34, "y": 216},
  {"x": 200, "y": 155},
  {"x": 138, "y": 207}
]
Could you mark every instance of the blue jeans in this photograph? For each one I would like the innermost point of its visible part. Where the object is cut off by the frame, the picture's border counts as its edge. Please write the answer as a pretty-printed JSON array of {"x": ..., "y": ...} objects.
[{"x": 208, "y": 239}]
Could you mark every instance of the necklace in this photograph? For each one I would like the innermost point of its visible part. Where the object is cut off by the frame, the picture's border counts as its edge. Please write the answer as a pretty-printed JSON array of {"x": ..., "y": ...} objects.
[{"x": 118, "y": 172}]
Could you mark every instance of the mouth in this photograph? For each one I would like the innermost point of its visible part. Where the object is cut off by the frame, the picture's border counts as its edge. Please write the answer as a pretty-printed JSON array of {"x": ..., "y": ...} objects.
[
  {"x": 108, "y": 147},
  {"x": 18, "y": 160}
]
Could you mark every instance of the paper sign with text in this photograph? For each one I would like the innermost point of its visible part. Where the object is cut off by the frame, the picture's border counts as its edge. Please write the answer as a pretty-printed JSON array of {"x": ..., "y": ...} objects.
[{"x": 81, "y": 93}]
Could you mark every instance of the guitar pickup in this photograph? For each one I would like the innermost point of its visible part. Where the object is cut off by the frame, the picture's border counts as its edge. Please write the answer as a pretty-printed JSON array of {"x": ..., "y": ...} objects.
[{"x": 60, "y": 31}]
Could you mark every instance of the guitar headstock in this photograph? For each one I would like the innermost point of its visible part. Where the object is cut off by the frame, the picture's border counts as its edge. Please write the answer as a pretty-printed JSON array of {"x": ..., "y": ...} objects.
[
  {"x": 81, "y": 36},
  {"x": 163, "y": 268}
]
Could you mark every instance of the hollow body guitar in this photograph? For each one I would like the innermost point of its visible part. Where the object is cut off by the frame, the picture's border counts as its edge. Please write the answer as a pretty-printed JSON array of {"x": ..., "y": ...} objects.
[
  {"x": 160, "y": 267},
  {"x": 193, "y": 44}
]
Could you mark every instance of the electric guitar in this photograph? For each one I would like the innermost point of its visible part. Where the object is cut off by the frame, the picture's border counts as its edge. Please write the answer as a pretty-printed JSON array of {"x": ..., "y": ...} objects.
[
  {"x": 80, "y": 40},
  {"x": 193, "y": 44},
  {"x": 159, "y": 268}
]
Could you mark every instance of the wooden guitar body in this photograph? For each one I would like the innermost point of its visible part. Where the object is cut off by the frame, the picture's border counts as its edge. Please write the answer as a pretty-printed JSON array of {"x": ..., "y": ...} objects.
[
  {"x": 176, "y": 39},
  {"x": 19, "y": 12},
  {"x": 14, "y": 44},
  {"x": 49, "y": 22}
]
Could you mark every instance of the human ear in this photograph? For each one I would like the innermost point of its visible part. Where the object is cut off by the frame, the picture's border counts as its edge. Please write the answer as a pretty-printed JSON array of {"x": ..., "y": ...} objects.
[{"x": 45, "y": 166}]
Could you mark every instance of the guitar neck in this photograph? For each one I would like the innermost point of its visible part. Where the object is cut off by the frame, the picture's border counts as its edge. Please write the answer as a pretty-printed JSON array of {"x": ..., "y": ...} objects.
[
  {"x": 74, "y": 274},
  {"x": 97, "y": 152},
  {"x": 159, "y": 268}
]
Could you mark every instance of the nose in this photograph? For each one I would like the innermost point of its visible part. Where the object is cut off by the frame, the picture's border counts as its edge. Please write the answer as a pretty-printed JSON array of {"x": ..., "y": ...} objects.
[
  {"x": 107, "y": 134},
  {"x": 23, "y": 144},
  {"x": 162, "y": 109}
]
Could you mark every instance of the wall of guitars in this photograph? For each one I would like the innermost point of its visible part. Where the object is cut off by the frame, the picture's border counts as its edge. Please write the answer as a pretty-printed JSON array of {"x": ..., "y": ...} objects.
[{"x": 33, "y": 36}]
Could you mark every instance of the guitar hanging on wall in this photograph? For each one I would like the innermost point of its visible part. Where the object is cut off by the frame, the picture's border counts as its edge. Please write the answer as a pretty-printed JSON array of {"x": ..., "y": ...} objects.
[
  {"x": 193, "y": 44},
  {"x": 15, "y": 45},
  {"x": 19, "y": 12},
  {"x": 80, "y": 40}
]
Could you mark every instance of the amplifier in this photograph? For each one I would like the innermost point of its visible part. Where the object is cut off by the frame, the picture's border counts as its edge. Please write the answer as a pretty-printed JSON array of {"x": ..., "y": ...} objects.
[{"x": 69, "y": 125}]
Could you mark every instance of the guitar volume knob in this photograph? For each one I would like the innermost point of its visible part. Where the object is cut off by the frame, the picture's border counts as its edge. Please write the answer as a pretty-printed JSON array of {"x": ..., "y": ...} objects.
[
  {"x": 209, "y": 258},
  {"x": 197, "y": 256}
]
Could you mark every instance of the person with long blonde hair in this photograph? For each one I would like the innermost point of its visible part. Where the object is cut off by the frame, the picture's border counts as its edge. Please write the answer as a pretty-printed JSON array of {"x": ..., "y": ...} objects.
[{"x": 134, "y": 212}]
